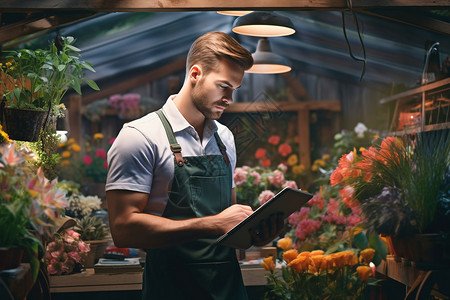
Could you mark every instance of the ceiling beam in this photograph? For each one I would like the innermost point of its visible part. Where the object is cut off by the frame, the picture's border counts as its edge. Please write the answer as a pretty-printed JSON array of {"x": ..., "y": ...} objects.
[
  {"x": 37, "y": 23},
  {"x": 187, "y": 5},
  {"x": 137, "y": 81},
  {"x": 412, "y": 18}
]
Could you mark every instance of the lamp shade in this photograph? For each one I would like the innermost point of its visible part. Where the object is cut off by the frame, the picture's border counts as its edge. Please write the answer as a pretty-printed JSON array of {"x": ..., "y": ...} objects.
[
  {"x": 263, "y": 24},
  {"x": 236, "y": 13},
  {"x": 267, "y": 62}
]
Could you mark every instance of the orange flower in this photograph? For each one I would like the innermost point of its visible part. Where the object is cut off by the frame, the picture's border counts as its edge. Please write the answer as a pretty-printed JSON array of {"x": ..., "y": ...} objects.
[
  {"x": 364, "y": 272},
  {"x": 285, "y": 150},
  {"x": 299, "y": 264},
  {"x": 268, "y": 264},
  {"x": 290, "y": 255},
  {"x": 260, "y": 153},
  {"x": 317, "y": 261},
  {"x": 316, "y": 252},
  {"x": 285, "y": 243},
  {"x": 366, "y": 255},
  {"x": 336, "y": 177}
]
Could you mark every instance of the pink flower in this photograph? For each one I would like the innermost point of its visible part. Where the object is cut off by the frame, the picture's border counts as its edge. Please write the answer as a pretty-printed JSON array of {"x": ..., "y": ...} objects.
[
  {"x": 111, "y": 141},
  {"x": 317, "y": 200},
  {"x": 257, "y": 177},
  {"x": 87, "y": 160},
  {"x": 274, "y": 140},
  {"x": 75, "y": 256},
  {"x": 283, "y": 167},
  {"x": 277, "y": 179},
  {"x": 291, "y": 184},
  {"x": 101, "y": 153},
  {"x": 240, "y": 176},
  {"x": 105, "y": 164},
  {"x": 265, "y": 196},
  {"x": 306, "y": 227},
  {"x": 84, "y": 247},
  {"x": 114, "y": 100}
]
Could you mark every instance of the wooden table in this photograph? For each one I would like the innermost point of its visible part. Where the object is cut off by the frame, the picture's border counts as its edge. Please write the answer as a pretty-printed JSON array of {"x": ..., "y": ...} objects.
[{"x": 88, "y": 281}]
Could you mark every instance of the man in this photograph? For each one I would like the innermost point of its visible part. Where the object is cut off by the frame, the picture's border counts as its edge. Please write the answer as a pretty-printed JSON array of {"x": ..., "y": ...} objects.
[{"x": 170, "y": 181}]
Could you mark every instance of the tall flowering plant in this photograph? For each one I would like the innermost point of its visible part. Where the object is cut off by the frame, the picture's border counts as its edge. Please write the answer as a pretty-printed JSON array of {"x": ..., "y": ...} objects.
[
  {"x": 314, "y": 275},
  {"x": 65, "y": 253},
  {"x": 87, "y": 163},
  {"x": 255, "y": 186},
  {"x": 400, "y": 183}
]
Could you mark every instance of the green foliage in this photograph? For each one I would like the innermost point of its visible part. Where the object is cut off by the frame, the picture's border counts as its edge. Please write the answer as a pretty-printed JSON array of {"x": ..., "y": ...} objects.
[{"x": 91, "y": 228}]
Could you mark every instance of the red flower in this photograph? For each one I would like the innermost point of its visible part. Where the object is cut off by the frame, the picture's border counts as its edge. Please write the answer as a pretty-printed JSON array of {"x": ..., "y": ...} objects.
[
  {"x": 101, "y": 153},
  {"x": 274, "y": 140},
  {"x": 260, "y": 153},
  {"x": 265, "y": 163},
  {"x": 87, "y": 160},
  {"x": 285, "y": 150},
  {"x": 105, "y": 164},
  {"x": 336, "y": 177}
]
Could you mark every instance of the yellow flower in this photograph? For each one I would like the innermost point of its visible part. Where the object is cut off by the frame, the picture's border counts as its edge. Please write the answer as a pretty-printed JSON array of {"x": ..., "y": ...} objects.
[
  {"x": 98, "y": 136},
  {"x": 61, "y": 145},
  {"x": 285, "y": 243},
  {"x": 364, "y": 272},
  {"x": 4, "y": 135},
  {"x": 290, "y": 255},
  {"x": 320, "y": 162},
  {"x": 65, "y": 163},
  {"x": 66, "y": 154},
  {"x": 317, "y": 261},
  {"x": 268, "y": 264},
  {"x": 326, "y": 157},
  {"x": 361, "y": 149},
  {"x": 76, "y": 148},
  {"x": 298, "y": 169},
  {"x": 366, "y": 255},
  {"x": 315, "y": 167},
  {"x": 70, "y": 141},
  {"x": 292, "y": 160}
]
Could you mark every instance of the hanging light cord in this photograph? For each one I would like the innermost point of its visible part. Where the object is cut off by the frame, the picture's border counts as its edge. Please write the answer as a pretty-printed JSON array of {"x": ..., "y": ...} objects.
[{"x": 355, "y": 19}]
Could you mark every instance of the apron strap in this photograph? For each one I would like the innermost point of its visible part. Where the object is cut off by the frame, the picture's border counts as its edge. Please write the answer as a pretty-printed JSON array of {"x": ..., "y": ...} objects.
[
  {"x": 174, "y": 146},
  {"x": 222, "y": 148}
]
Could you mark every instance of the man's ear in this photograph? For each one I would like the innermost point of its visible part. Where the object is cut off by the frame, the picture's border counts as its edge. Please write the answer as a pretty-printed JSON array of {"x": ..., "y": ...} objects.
[{"x": 195, "y": 72}]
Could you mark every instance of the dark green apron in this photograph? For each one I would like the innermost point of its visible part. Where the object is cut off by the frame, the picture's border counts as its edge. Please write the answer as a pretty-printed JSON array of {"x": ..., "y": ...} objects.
[{"x": 199, "y": 269}]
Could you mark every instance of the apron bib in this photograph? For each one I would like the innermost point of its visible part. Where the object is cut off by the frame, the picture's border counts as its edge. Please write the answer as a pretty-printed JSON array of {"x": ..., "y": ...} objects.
[{"x": 198, "y": 269}]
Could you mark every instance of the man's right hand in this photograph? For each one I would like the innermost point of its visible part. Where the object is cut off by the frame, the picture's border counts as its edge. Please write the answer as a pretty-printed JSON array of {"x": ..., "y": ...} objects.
[{"x": 232, "y": 216}]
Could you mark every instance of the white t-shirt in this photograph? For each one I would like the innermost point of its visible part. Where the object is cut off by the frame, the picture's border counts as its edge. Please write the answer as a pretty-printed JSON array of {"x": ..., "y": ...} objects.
[{"x": 141, "y": 160}]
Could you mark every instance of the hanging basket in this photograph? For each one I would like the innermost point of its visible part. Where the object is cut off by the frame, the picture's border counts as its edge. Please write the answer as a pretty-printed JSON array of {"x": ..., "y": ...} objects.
[{"x": 24, "y": 124}]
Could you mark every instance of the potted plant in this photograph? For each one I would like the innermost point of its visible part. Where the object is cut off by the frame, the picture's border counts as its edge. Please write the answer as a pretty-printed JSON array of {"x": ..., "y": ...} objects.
[
  {"x": 93, "y": 231},
  {"x": 29, "y": 205},
  {"x": 39, "y": 79}
]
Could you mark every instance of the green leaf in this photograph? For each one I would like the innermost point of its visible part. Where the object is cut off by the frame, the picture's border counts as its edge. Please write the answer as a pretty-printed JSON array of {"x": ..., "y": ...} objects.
[
  {"x": 87, "y": 66},
  {"x": 92, "y": 84},
  {"x": 73, "y": 48},
  {"x": 75, "y": 84},
  {"x": 380, "y": 248},
  {"x": 360, "y": 240}
]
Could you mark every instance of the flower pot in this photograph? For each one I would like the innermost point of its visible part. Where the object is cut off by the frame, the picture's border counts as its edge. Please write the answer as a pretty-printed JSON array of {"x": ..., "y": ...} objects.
[
  {"x": 10, "y": 258},
  {"x": 97, "y": 249},
  {"x": 24, "y": 124}
]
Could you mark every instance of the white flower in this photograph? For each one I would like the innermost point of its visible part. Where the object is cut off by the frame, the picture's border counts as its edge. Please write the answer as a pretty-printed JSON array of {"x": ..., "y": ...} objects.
[{"x": 360, "y": 128}]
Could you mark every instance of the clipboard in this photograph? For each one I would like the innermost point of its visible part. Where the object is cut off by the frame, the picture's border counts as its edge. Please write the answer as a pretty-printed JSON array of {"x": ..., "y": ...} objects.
[{"x": 286, "y": 201}]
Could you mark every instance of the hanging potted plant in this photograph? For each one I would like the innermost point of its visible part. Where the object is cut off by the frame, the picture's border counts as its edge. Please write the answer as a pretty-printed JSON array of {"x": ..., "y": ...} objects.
[{"x": 33, "y": 82}]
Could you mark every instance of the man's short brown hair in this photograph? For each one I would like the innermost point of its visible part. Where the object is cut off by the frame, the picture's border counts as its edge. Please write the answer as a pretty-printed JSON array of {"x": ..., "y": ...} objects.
[{"x": 213, "y": 46}]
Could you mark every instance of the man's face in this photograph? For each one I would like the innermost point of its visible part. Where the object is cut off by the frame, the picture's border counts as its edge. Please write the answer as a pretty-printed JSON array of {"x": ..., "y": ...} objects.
[{"x": 213, "y": 92}]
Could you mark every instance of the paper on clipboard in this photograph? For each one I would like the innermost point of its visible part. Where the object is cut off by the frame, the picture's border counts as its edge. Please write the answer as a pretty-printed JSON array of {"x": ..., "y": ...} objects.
[{"x": 286, "y": 201}]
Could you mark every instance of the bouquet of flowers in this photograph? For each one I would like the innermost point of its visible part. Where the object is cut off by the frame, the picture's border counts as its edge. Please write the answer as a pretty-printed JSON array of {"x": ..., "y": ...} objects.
[
  {"x": 313, "y": 275},
  {"x": 65, "y": 253}
]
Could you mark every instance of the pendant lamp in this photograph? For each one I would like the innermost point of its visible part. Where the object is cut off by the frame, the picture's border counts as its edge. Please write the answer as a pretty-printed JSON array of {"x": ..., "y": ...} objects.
[
  {"x": 263, "y": 24},
  {"x": 267, "y": 62},
  {"x": 236, "y": 13}
]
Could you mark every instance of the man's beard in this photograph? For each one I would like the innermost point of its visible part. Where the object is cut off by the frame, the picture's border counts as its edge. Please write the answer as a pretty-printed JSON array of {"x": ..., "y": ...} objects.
[{"x": 206, "y": 108}]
